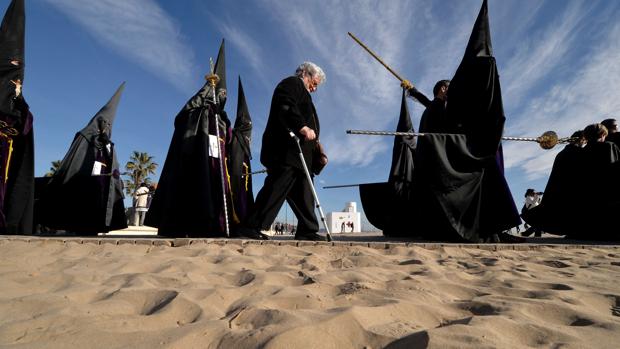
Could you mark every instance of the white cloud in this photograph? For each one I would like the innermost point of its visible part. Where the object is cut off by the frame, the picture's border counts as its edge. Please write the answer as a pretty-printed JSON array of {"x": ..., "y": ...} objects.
[
  {"x": 246, "y": 44},
  {"x": 360, "y": 93},
  {"x": 587, "y": 95},
  {"x": 540, "y": 53},
  {"x": 139, "y": 30}
]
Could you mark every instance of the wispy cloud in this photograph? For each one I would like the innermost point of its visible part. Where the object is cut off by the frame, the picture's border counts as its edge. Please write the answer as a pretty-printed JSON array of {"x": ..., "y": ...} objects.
[
  {"x": 359, "y": 92},
  {"x": 247, "y": 46},
  {"x": 139, "y": 30},
  {"x": 568, "y": 103},
  {"x": 541, "y": 52}
]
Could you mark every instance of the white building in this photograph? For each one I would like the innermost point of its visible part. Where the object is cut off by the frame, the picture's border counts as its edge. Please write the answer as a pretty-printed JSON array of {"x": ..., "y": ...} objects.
[{"x": 347, "y": 221}]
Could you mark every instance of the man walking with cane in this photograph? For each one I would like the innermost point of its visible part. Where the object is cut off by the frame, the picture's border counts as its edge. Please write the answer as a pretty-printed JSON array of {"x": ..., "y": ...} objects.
[{"x": 292, "y": 110}]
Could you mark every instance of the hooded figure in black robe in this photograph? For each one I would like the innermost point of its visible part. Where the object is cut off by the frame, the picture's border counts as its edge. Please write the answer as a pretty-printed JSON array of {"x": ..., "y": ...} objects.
[
  {"x": 239, "y": 160},
  {"x": 459, "y": 192},
  {"x": 16, "y": 134},
  {"x": 558, "y": 212},
  {"x": 387, "y": 205},
  {"x": 85, "y": 194},
  {"x": 189, "y": 201},
  {"x": 581, "y": 196},
  {"x": 475, "y": 109}
]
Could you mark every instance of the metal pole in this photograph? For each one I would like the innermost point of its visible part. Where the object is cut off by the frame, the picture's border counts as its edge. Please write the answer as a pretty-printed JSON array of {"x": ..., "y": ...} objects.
[
  {"x": 213, "y": 78},
  {"x": 254, "y": 173},
  {"x": 341, "y": 186},
  {"x": 547, "y": 140},
  {"x": 316, "y": 197}
]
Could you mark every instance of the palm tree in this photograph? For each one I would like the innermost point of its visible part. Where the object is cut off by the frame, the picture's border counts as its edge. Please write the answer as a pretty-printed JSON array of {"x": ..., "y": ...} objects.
[
  {"x": 54, "y": 168},
  {"x": 139, "y": 167}
]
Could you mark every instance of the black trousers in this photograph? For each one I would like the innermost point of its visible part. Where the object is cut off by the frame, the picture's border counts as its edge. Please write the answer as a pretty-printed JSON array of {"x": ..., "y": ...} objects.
[{"x": 290, "y": 184}]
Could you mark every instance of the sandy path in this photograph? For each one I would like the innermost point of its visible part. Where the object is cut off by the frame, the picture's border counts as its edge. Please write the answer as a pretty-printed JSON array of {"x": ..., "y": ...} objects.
[{"x": 72, "y": 295}]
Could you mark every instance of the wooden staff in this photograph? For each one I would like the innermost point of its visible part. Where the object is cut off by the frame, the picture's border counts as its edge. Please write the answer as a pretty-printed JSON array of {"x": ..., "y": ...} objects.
[{"x": 375, "y": 56}]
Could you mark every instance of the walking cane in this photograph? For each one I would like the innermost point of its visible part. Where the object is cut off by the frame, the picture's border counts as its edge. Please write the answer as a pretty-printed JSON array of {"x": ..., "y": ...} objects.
[
  {"x": 316, "y": 197},
  {"x": 213, "y": 80}
]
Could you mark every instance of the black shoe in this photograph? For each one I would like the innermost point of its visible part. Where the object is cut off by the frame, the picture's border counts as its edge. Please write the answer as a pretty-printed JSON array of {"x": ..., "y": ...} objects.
[
  {"x": 310, "y": 237},
  {"x": 528, "y": 232},
  {"x": 249, "y": 233},
  {"x": 510, "y": 239}
]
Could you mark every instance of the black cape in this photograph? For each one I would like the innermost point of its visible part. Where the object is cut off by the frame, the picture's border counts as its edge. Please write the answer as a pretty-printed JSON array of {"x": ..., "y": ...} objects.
[
  {"x": 459, "y": 191},
  {"x": 581, "y": 196},
  {"x": 85, "y": 194},
  {"x": 188, "y": 201},
  {"x": 475, "y": 109},
  {"x": 387, "y": 205},
  {"x": 239, "y": 158},
  {"x": 16, "y": 132},
  {"x": 614, "y": 138}
]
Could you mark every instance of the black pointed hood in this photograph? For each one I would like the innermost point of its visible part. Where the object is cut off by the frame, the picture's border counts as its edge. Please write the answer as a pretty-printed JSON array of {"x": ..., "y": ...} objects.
[
  {"x": 11, "y": 49},
  {"x": 239, "y": 165},
  {"x": 205, "y": 94},
  {"x": 220, "y": 70},
  {"x": 479, "y": 44},
  {"x": 243, "y": 120},
  {"x": 104, "y": 118},
  {"x": 475, "y": 97},
  {"x": 12, "y": 34},
  {"x": 242, "y": 131}
]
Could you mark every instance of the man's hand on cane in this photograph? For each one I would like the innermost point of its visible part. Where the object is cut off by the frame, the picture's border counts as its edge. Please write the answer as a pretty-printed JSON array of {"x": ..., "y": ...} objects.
[{"x": 308, "y": 133}]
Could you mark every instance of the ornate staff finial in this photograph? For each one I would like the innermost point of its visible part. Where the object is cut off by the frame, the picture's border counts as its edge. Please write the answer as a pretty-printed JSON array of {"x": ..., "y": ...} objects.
[{"x": 212, "y": 78}]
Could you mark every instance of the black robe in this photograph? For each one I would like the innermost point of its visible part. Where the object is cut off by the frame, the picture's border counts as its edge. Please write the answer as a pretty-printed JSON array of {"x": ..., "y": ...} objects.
[
  {"x": 614, "y": 138},
  {"x": 188, "y": 201},
  {"x": 459, "y": 191},
  {"x": 475, "y": 109},
  {"x": 387, "y": 205},
  {"x": 16, "y": 132},
  {"x": 581, "y": 196},
  {"x": 85, "y": 195}
]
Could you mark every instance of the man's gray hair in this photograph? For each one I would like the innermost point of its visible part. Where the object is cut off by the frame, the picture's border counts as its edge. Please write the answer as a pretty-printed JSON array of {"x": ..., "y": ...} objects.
[{"x": 312, "y": 70}]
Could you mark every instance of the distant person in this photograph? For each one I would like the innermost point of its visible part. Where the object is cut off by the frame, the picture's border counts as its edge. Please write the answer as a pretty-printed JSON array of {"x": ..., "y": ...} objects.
[
  {"x": 613, "y": 135},
  {"x": 342, "y": 227},
  {"x": 141, "y": 198},
  {"x": 352, "y": 227},
  {"x": 150, "y": 196},
  {"x": 532, "y": 199}
]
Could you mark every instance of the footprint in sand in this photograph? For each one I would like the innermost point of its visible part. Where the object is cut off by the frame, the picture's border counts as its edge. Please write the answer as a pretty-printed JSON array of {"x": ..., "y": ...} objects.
[
  {"x": 555, "y": 264},
  {"x": 615, "y": 308},
  {"x": 480, "y": 308}
]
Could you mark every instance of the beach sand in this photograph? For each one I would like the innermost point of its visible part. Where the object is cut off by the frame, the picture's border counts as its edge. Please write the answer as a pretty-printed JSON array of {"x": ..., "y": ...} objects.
[{"x": 81, "y": 293}]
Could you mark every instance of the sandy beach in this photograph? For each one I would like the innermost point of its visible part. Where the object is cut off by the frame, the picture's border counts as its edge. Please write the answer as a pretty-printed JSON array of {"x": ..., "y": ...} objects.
[{"x": 146, "y": 293}]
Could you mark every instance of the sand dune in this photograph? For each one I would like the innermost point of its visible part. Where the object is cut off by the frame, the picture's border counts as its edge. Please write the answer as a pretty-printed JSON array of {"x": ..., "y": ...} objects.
[{"x": 56, "y": 294}]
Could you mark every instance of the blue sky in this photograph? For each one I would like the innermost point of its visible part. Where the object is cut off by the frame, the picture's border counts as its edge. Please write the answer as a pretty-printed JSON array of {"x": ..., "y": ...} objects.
[{"x": 558, "y": 60}]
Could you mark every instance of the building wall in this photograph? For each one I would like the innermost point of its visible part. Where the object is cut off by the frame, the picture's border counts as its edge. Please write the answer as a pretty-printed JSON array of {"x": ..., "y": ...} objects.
[{"x": 335, "y": 220}]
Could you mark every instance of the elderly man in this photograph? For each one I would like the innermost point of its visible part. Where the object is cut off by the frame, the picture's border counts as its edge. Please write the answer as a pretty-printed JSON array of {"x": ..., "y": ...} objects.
[{"x": 291, "y": 110}]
